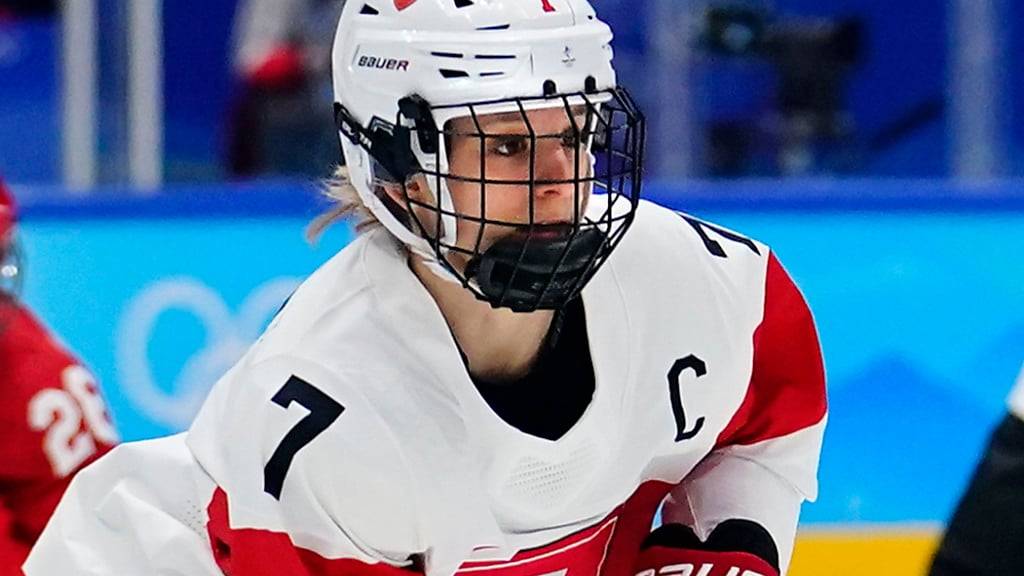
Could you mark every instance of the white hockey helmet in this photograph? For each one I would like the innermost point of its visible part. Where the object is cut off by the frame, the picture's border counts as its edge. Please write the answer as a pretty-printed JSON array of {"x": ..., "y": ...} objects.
[{"x": 404, "y": 68}]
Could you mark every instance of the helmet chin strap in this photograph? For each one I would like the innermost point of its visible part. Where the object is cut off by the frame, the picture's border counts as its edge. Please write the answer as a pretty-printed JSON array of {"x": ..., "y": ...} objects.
[{"x": 432, "y": 263}]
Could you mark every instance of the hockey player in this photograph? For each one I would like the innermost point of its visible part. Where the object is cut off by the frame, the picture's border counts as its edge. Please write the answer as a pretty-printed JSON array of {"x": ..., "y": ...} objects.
[
  {"x": 984, "y": 535},
  {"x": 494, "y": 378},
  {"x": 53, "y": 421}
]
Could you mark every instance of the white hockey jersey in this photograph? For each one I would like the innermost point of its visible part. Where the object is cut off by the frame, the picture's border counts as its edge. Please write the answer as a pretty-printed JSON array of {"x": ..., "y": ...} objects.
[{"x": 351, "y": 440}]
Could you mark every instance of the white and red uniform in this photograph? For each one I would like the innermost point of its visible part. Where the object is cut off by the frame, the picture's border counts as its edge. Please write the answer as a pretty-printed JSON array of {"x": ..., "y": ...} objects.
[
  {"x": 351, "y": 440},
  {"x": 53, "y": 423}
]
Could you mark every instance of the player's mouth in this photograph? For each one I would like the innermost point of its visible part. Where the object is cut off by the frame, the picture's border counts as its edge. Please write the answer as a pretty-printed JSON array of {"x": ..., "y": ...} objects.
[{"x": 549, "y": 231}]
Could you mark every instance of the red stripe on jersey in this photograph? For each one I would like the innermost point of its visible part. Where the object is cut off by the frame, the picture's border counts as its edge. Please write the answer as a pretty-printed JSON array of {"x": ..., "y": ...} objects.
[
  {"x": 581, "y": 553},
  {"x": 787, "y": 385},
  {"x": 636, "y": 518},
  {"x": 610, "y": 546},
  {"x": 254, "y": 552}
]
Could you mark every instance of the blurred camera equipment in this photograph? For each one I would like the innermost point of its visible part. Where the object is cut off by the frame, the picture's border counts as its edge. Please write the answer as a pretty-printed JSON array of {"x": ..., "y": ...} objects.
[{"x": 812, "y": 59}]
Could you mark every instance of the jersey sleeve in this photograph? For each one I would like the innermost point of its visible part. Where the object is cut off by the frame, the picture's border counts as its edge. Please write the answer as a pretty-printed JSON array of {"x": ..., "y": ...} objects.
[
  {"x": 138, "y": 510},
  {"x": 310, "y": 479},
  {"x": 286, "y": 471},
  {"x": 150, "y": 508},
  {"x": 765, "y": 461},
  {"x": 53, "y": 421}
]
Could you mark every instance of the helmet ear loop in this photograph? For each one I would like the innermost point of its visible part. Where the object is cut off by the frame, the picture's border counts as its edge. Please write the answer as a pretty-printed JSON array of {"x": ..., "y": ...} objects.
[
  {"x": 445, "y": 231},
  {"x": 636, "y": 138},
  {"x": 416, "y": 127},
  {"x": 621, "y": 132},
  {"x": 441, "y": 233},
  {"x": 601, "y": 136}
]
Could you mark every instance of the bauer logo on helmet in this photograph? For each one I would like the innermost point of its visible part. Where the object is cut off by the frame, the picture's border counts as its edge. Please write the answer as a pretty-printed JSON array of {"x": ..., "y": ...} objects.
[{"x": 383, "y": 63}]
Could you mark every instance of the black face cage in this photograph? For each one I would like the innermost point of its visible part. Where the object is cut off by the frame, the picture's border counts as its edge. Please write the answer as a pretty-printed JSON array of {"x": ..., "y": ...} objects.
[{"x": 532, "y": 265}]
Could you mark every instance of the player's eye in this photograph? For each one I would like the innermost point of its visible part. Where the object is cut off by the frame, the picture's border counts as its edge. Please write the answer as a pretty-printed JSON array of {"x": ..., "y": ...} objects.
[{"x": 510, "y": 145}]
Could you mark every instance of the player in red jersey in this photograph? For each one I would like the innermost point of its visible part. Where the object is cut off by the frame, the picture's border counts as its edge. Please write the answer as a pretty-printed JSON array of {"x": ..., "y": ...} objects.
[
  {"x": 52, "y": 419},
  {"x": 509, "y": 370}
]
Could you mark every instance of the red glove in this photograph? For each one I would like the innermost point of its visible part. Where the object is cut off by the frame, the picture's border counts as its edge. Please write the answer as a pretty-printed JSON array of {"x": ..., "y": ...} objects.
[{"x": 734, "y": 548}]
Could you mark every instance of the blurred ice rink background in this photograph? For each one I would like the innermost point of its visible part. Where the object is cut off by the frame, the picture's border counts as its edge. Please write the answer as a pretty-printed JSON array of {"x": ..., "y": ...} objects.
[{"x": 166, "y": 155}]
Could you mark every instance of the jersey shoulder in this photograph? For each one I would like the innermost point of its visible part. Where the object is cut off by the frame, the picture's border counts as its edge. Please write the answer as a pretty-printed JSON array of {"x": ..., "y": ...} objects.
[
  {"x": 297, "y": 448},
  {"x": 689, "y": 236},
  {"x": 304, "y": 448},
  {"x": 366, "y": 323},
  {"x": 671, "y": 255},
  {"x": 681, "y": 271}
]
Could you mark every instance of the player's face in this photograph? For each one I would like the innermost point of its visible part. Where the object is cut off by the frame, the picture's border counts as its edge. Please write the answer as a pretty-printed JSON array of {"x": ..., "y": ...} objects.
[{"x": 558, "y": 157}]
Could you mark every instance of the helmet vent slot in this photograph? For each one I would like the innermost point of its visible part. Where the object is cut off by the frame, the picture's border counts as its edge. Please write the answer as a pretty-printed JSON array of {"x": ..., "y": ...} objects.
[
  {"x": 497, "y": 27},
  {"x": 369, "y": 10},
  {"x": 463, "y": 3},
  {"x": 495, "y": 57},
  {"x": 491, "y": 74},
  {"x": 446, "y": 54},
  {"x": 448, "y": 73}
]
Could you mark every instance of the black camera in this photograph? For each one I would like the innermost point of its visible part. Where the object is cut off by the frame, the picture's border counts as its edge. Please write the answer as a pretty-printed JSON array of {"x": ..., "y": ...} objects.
[{"x": 812, "y": 58}]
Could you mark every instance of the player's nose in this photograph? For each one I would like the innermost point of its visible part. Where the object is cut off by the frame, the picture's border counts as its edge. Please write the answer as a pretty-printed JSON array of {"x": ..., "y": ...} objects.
[{"x": 556, "y": 171}]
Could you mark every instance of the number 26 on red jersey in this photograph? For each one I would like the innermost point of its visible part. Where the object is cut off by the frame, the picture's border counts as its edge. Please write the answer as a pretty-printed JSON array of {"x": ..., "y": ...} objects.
[{"x": 60, "y": 413}]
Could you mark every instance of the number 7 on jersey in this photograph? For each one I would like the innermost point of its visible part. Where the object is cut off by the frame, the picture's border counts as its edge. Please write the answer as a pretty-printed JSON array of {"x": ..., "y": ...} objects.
[{"x": 323, "y": 411}]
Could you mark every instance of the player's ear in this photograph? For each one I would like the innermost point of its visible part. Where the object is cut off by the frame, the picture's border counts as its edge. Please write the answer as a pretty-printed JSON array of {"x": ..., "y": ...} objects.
[
  {"x": 416, "y": 187},
  {"x": 419, "y": 192}
]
